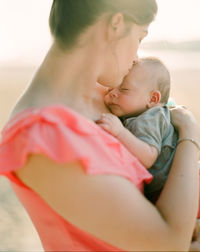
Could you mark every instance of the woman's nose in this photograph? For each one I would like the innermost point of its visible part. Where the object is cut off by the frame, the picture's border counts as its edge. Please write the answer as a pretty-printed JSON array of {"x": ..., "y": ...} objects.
[{"x": 135, "y": 61}]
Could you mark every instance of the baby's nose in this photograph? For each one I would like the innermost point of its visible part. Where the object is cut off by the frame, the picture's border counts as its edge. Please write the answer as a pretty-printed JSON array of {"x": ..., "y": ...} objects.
[{"x": 113, "y": 94}]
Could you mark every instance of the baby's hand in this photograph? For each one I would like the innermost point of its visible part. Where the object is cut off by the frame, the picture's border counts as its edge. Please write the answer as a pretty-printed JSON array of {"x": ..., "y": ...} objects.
[{"x": 110, "y": 123}]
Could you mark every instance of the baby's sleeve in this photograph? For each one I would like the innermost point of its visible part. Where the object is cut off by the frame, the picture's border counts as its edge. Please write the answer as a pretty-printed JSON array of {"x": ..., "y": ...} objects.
[{"x": 150, "y": 127}]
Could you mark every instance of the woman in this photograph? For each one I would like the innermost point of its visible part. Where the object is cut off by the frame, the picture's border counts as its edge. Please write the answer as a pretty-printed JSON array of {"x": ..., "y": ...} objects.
[{"x": 81, "y": 187}]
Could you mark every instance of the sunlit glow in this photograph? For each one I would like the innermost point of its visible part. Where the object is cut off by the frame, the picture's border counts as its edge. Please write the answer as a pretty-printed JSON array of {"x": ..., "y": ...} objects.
[
  {"x": 177, "y": 20},
  {"x": 24, "y": 30}
]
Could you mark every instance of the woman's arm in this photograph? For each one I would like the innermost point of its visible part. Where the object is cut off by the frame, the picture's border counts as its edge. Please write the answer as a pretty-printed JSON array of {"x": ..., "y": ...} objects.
[
  {"x": 183, "y": 180},
  {"x": 111, "y": 207}
]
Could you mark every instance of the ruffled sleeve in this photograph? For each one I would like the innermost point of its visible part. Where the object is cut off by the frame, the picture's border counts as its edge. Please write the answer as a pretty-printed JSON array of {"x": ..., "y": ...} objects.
[{"x": 64, "y": 136}]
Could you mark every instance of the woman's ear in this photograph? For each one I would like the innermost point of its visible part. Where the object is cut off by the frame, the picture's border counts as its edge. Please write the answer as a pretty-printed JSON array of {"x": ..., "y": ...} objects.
[
  {"x": 155, "y": 98},
  {"x": 117, "y": 20},
  {"x": 116, "y": 26}
]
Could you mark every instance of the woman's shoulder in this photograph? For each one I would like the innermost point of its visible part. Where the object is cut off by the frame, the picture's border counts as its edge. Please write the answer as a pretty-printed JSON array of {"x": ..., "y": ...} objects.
[{"x": 54, "y": 114}]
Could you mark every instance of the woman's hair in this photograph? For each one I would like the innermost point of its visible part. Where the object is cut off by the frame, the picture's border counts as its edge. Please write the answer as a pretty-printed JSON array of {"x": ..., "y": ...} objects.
[
  {"x": 69, "y": 18},
  {"x": 161, "y": 76}
]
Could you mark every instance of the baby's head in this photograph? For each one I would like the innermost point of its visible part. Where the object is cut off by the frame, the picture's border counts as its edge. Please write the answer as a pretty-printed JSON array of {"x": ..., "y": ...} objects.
[{"x": 147, "y": 85}]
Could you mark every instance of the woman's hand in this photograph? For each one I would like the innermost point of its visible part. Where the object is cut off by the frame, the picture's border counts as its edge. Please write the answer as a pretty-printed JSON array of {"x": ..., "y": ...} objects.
[
  {"x": 195, "y": 245},
  {"x": 184, "y": 121},
  {"x": 111, "y": 123}
]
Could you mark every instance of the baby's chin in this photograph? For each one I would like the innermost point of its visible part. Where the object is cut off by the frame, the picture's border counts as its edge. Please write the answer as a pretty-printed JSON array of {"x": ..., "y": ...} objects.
[{"x": 114, "y": 109}]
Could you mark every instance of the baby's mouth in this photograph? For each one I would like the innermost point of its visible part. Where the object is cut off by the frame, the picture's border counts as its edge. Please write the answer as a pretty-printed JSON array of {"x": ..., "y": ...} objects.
[{"x": 113, "y": 105}]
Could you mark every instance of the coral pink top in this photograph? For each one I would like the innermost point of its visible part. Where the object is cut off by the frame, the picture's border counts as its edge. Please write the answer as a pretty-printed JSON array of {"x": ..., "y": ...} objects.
[{"x": 63, "y": 135}]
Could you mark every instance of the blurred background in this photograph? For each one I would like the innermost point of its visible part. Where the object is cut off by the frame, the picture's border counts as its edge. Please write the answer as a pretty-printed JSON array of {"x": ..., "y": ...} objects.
[{"x": 174, "y": 37}]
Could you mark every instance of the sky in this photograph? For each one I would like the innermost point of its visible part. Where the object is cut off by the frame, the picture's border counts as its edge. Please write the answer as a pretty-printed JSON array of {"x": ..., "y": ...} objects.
[
  {"x": 24, "y": 32},
  {"x": 177, "y": 20}
]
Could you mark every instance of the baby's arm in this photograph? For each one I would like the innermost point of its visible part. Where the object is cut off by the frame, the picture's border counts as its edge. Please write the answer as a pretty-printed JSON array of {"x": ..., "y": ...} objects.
[{"x": 146, "y": 153}]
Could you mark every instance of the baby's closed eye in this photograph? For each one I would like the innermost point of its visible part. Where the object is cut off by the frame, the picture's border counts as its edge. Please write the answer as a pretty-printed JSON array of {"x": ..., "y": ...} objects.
[{"x": 124, "y": 89}]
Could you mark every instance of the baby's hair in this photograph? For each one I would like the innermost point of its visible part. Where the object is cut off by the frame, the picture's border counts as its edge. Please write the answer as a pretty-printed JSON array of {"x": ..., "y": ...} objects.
[{"x": 162, "y": 76}]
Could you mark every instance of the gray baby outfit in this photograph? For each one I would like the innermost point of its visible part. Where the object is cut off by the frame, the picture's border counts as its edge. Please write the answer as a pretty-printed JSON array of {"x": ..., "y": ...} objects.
[{"x": 154, "y": 127}]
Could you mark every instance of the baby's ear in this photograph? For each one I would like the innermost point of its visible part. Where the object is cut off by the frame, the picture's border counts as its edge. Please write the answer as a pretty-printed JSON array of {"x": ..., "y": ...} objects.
[{"x": 154, "y": 99}]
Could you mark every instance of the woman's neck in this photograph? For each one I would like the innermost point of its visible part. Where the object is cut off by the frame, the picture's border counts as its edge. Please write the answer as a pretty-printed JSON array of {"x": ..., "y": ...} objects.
[{"x": 67, "y": 78}]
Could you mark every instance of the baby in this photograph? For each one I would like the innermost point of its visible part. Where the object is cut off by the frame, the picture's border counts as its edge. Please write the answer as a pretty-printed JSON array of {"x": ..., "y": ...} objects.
[{"x": 144, "y": 126}]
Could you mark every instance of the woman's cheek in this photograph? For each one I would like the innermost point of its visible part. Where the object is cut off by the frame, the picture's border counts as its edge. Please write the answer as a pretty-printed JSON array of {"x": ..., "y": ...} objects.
[{"x": 134, "y": 53}]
